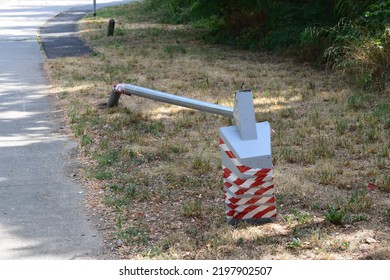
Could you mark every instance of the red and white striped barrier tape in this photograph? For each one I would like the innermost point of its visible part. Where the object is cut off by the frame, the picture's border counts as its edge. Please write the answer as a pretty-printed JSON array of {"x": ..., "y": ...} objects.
[
  {"x": 234, "y": 202},
  {"x": 230, "y": 177},
  {"x": 256, "y": 191},
  {"x": 252, "y": 212},
  {"x": 251, "y": 198},
  {"x": 257, "y": 172},
  {"x": 119, "y": 88}
]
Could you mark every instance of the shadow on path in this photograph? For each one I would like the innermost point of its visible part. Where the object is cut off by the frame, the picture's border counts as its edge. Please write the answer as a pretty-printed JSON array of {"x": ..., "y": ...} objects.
[{"x": 59, "y": 36}]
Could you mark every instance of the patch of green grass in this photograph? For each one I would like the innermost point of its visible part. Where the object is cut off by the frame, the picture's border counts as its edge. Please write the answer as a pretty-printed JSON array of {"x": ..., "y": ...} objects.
[
  {"x": 133, "y": 235},
  {"x": 201, "y": 165},
  {"x": 334, "y": 215},
  {"x": 109, "y": 158},
  {"x": 385, "y": 186},
  {"x": 322, "y": 147},
  {"x": 86, "y": 140},
  {"x": 358, "y": 201},
  {"x": 101, "y": 174},
  {"x": 192, "y": 208},
  {"x": 296, "y": 243},
  {"x": 327, "y": 177},
  {"x": 357, "y": 101},
  {"x": 63, "y": 94},
  {"x": 172, "y": 50},
  {"x": 116, "y": 202},
  {"x": 301, "y": 217},
  {"x": 387, "y": 215},
  {"x": 287, "y": 113},
  {"x": 341, "y": 126},
  {"x": 154, "y": 128}
]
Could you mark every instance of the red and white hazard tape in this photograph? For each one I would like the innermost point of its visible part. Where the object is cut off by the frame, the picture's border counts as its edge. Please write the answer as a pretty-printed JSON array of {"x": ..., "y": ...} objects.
[
  {"x": 246, "y": 198},
  {"x": 258, "y": 181},
  {"x": 234, "y": 202},
  {"x": 242, "y": 193},
  {"x": 242, "y": 168},
  {"x": 119, "y": 88},
  {"x": 252, "y": 212}
]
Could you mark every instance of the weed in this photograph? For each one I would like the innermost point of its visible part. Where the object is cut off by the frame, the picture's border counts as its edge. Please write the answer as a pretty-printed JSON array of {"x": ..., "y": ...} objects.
[
  {"x": 115, "y": 188},
  {"x": 296, "y": 243},
  {"x": 356, "y": 101},
  {"x": 322, "y": 147},
  {"x": 287, "y": 113},
  {"x": 102, "y": 175},
  {"x": 133, "y": 235},
  {"x": 315, "y": 206},
  {"x": 318, "y": 236},
  {"x": 174, "y": 49},
  {"x": 334, "y": 215},
  {"x": 154, "y": 128},
  {"x": 327, "y": 177},
  {"x": 109, "y": 158},
  {"x": 116, "y": 202},
  {"x": 359, "y": 218},
  {"x": 341, "y": 126},
  {"x": 311, "y": 86},
  {"x": 387, "y": 215},
  {"x": 192, "y": 209},
  {"x": 372, "y": 135},
  {"x": 79, "y": 129},
  {"x": 63, "y": 94},
  {"x": 299, "y": 216},
  {"x": 201, "y": 165},
  {"x": 286, "y": 154},
  {"x": 358, "y": 201},
  {"x": 340, "y": 245},
  {"x": 120, "y": 31},
  {"x": 86, "y": 140},
  {"x": 381, "y": 162},
  {"x": 131, "y": 191},
  {"x": 385, "y": 186}
]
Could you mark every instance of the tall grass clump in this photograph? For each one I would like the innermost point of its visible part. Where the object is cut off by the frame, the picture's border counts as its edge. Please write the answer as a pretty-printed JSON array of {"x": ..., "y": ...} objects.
[{"x": 358, "y": 45}]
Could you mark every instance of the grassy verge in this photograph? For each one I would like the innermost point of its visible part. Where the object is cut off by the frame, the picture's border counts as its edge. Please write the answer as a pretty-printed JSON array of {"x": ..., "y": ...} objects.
[{"x": 153, "y": 170}]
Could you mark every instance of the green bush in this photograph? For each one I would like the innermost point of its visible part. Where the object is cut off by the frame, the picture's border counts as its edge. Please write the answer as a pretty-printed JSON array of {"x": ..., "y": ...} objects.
[
  {"x": 351, "y": 35},
  {"x": 359, "y": 46}
]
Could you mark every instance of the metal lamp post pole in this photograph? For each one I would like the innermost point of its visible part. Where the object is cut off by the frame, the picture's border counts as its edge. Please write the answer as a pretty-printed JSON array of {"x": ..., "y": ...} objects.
[{"x": 94, "y": 8}]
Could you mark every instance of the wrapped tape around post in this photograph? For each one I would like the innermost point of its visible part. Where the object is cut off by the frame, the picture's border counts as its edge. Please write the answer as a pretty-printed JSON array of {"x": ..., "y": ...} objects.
[
  {"x": 119, "y": 88},
  {"x": 242, "y": 193},
  {"x": 253, "y": 212},
  {"x": 264, "y": 180},
  {"x": 241, "y": 167}
]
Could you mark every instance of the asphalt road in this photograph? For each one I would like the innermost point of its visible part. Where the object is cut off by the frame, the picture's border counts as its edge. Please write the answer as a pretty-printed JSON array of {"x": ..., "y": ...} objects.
[
  {"x": 42, "y": 215},
  {"x": 59, "y": 36}
]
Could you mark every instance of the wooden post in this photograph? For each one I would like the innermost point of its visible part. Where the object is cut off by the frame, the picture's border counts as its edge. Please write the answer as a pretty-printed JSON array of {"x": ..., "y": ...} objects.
[{"x": 111, "y": 27}]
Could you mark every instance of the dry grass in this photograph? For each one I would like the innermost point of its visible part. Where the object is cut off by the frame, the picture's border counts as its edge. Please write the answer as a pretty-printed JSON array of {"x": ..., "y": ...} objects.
[{"x": 153, "y": 170}]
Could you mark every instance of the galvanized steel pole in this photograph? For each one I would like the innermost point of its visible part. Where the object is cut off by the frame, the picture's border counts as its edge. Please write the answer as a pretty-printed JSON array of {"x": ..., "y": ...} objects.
[
  {"x": 94, "y": 8},
  {"x": 174, "y": 99}
]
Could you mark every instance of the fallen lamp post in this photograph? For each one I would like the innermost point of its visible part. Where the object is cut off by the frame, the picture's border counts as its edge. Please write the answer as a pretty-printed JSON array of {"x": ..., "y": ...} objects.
[{"x": 249, "y": 191}]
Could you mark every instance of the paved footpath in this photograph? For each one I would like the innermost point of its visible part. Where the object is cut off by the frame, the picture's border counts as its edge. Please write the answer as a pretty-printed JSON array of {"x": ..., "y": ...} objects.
[{"x": 41, "y": 208}]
